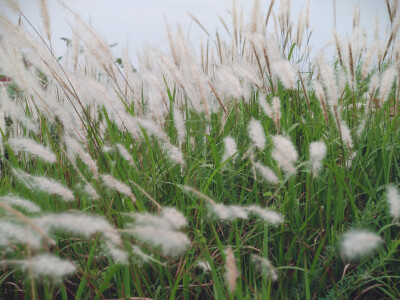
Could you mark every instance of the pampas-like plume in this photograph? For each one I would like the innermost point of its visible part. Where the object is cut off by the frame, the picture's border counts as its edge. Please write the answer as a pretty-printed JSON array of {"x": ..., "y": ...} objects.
[
  {"x": 44, "y": 13},
  {"x": 21, "y": 203},
  {"x": 276, "y": 109},
  {"x": 319, "y": 92},
  {"x": 328, "y": 79},
  {"x": 179, "y": 125},
  {"x": 44, "y": 184},
  {"x": 317, "y": 154},
  {"x": 386, "y": 83},
  {"x": 393, "y": 198},
  {"x": 284, "y": 153},
  {"x": 265, "y": 267},
  {"x": 267, "y": 174},
  {"x": 85, "y": 225},
  {"x": 286, "y": 73},
  {"x": 161, "y": 231},
  {"x": 346, "y": 134},
  {"x": 117, "y": 185},
  {"x": 231, "y": 212},
  {"x": 359, "y": 243},
  {"x": 44, "y": 266},
  {"x": 230, "y": 148},
  {"x": 30, "y": 146},
  {"x": 256, "y": 133},
  {"x": 12, "y": 233},
  {"x": 265, "y": 105},
  {"x": 75, "y": 149},
  {"x": 125, "y": 154},
  {"x": 231, "y": 272}
]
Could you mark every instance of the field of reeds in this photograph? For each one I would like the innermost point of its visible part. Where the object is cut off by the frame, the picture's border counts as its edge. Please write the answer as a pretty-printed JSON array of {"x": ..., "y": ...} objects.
[{"x": 244, "y": 168}]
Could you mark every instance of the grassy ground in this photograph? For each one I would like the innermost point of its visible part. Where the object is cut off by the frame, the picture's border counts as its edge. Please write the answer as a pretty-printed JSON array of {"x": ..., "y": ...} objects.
[{"x": 348, "y": 192}]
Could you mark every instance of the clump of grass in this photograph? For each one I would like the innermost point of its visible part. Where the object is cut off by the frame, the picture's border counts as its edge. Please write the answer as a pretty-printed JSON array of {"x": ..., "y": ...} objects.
[{"x": 230, "y": 173}]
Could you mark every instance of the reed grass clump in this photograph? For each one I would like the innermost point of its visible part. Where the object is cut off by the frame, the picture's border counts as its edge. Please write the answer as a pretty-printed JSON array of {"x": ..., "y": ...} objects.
[{"x": 245, "y": 169}]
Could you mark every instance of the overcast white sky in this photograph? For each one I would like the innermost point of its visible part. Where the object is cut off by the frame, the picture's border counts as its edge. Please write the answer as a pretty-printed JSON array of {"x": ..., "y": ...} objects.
[{"x": 140, "y": 21}]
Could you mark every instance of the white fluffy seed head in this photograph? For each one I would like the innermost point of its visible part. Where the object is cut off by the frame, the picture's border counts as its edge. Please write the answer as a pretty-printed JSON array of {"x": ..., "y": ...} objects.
[
  {"x": 231, "y": 272},
  {"x": 386, "y": 83},
  {"x": 48, "y": 266},
  {"x": 230, "y": 148},
  {"x": 284, "y": 153},
  {"x": 265, "y": 105},
  {"x": 161, "y": 231},
  {"x": 276, "y": 109},
  {"x": 232, "y": 212},
  {"x": 21, "y": 203},
  {"x": 265, "y": 267},
  {"x": 267, "y": 174},
  {"x": 286, "y": 73},
  {"x": 346, "y": 135},
  {"x": 256, "y": 133},
  {"x": 317, "y": 154},
  {"x": 86, "y": 226},
  {"x": 44, "y": 184},
  {"x": 22, "y": 144},
  {"x": 179, "y": 125},
  {"x": 117, "y": 185},
  {"x": 12, "y": 233},
  {"x": 358, "y": 243},
  {"x": 393, "y": 198}
]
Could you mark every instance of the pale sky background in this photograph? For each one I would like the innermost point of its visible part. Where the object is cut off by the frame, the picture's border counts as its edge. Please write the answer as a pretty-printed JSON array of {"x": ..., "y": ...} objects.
[{"x": 140, "y": 21}]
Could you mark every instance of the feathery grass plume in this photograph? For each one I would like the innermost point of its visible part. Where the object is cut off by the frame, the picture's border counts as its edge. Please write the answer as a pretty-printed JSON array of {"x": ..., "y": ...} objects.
[
  {"x": 286, "y": 73},
  {"x": 173, "y": 153},
  {"x": 231, "y": 212},
  {"x": 125, "y": 154},
  {"x": 317, "y": 154},
  {"x": 228, "y": 212},
  {"x": 161, "y": 231},
  {"x": 204, "y": 265},
  {"x": 284, "y": 153},
  {"x": 86, "y": 226},
  {"x": 386, "y": 83},
  {"x": 179, "y": 125},
  {"x": 230, "y": 149},
  {"x": 44, "y": 266},
  {"x": 74, "y": 149},
  {"x": 368, "y": 59},
  {"x": 21, "y": 203},
  {"x": 266, "y": 173},
  {"x": 12, "y": 233},
  {"x": 265, "y": 105},
  {"x": 359, "y": 243},
  {"x": 117, "y": 185},
  {"x": 256, "y": 133},
  {"x": 265, "y": 267},
  {"x": 91, "y": 191},
  {"x": 393, "y": 198},
  {"x": 231, "y": 272},
  {"x": 345, "y": 134},
  {"x": 276, "y": 109},
  {"x": 329, "y": 81},
  {"x": 44, "y": 184},
  {"x": 228, "y": 82},
  {"x": 44, "y": 13},
  {"x": 267, "y": 215},
  {"x": 32, "y": 147},
  {"x": 319, "y": 92}
]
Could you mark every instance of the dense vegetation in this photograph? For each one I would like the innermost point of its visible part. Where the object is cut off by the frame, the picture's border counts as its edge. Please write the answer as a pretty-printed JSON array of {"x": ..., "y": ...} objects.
[{"x": 245, "y": 169}]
